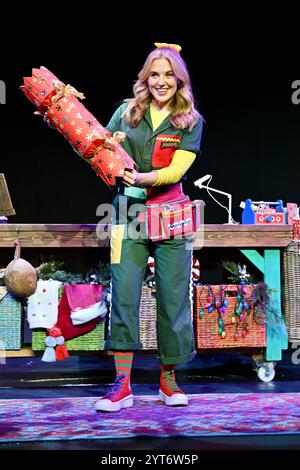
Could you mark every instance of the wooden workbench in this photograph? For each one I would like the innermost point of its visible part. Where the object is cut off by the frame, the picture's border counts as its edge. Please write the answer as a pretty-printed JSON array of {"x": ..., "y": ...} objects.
[
  {"x": 270, "y": 238},
  {"x": 85, "y": 235}
]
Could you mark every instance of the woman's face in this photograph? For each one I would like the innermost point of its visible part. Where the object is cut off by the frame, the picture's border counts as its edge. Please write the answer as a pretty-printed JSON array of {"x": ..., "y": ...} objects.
[{"x": 162, "y": 82}]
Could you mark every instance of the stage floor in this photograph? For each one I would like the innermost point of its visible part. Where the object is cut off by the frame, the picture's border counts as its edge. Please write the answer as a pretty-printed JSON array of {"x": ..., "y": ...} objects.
[{"x": 90, "y": 375}]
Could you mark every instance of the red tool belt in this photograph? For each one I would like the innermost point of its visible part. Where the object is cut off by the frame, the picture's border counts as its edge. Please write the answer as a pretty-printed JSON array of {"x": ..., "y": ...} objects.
[
  {"x": 174, "y": 219},
  {"x": 171, "y": 214}
]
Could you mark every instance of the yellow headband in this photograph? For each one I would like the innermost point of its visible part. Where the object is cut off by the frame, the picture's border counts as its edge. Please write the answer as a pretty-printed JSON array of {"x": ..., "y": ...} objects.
[{"x": 171, "y": 46}]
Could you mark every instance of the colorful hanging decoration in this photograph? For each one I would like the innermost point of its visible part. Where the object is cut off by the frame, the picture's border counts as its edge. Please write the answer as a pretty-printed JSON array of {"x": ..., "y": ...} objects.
[{"x": 219, "y": 302}]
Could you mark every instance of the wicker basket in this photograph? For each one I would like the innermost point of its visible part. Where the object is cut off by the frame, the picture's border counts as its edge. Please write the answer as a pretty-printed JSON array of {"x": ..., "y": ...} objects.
[
  {"x": 148, "y": 318},
  {"x": 207, "y": 328},
  {"x": 92, "y": 341},
  {"x": 291, "y": 290},
  {"x": 10, "y": 322}
]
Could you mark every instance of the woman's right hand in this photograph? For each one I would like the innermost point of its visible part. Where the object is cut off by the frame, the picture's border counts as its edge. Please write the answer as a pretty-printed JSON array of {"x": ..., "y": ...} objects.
[{"x": 130, "y": 178}]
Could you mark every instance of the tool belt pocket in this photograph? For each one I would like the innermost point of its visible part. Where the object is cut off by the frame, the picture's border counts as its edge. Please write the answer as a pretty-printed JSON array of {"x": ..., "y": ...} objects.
[{"x": 172, "y": 220}]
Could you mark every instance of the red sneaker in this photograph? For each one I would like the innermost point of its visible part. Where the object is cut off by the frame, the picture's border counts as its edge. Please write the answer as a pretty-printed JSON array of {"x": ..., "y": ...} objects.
[
  {"x": 120, "y": 396},
  {"x": 169, "y": 391}
]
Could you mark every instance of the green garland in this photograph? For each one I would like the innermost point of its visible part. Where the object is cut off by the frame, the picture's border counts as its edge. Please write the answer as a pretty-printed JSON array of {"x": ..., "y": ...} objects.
[{"x": 53, "y": 270}]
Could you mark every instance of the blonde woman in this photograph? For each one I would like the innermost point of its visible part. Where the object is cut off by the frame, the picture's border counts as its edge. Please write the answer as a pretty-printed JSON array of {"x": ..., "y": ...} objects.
[{"x": 163, "y": 133}]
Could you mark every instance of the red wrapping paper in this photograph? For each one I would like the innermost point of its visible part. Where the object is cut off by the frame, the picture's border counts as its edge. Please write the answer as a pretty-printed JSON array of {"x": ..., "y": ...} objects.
[
  {"x": 40, "y": 88},
  {"x": 62, "y": 110}
]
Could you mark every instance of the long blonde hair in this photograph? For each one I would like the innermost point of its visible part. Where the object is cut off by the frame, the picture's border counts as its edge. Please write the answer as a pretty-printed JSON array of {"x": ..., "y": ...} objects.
[{"x": 183, "y": 112}]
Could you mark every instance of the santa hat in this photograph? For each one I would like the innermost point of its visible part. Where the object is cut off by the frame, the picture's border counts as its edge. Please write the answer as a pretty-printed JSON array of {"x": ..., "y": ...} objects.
[
  {"x": 79, "y": 300},
  {"x": 78, "y": 312},
  {"x": 83, "y": 315}
]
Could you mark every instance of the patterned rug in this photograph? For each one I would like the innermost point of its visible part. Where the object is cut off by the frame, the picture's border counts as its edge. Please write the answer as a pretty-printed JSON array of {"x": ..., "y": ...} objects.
[{"x": 207, "y": 415}]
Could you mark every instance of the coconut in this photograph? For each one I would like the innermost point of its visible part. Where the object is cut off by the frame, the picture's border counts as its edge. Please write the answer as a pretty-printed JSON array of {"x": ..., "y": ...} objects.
[{"x": 20, "y": 277}]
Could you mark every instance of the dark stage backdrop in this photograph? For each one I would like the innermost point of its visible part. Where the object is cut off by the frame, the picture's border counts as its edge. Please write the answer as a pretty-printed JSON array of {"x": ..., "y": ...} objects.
[{"x": 243, "y": 85}]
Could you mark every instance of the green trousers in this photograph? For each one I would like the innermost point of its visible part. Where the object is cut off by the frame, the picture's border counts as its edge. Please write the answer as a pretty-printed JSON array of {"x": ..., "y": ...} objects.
[{"x": 175, "y": 337}]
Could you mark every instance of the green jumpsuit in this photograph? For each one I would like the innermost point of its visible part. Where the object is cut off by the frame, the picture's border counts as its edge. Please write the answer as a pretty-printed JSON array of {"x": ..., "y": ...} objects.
[{"x": 129, "y": 257}]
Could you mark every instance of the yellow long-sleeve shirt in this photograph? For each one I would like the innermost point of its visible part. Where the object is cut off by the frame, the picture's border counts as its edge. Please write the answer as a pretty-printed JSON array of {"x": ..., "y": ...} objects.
[{"x": 182, "y": 159}]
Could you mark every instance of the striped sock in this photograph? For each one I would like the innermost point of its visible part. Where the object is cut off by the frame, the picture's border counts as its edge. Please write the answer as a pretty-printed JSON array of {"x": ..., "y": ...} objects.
[{"x": 123, "y": 362}]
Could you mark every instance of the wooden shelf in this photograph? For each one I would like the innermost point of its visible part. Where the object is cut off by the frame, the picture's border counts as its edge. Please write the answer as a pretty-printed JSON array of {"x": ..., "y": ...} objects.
[
  {"x": 244, "y": 236},
  {"x": 97, "y": 235},
  {"x": 26, "y": 351},
  {"x": 55, "y": 235}
]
